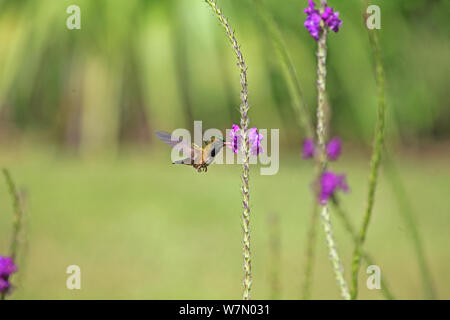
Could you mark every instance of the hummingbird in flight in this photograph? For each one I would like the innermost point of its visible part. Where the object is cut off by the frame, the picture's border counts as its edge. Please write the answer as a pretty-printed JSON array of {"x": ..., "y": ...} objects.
[{"x": 197, "y": 157}]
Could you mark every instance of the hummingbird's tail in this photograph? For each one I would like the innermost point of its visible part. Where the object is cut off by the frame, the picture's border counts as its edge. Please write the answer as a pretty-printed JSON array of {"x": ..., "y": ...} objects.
[{"x": 187, "y": 161}]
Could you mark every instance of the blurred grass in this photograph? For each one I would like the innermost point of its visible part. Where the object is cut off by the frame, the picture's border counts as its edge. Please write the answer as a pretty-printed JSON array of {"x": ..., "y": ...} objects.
[
  {"x": 140, "y": 228},
  {"x": 140, "y": 64}
]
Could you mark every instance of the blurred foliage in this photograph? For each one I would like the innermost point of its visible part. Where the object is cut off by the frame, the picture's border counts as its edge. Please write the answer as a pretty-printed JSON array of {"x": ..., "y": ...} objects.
[
  {"x": 141, "y": 229},
  {"x": 140, "y": 65}
]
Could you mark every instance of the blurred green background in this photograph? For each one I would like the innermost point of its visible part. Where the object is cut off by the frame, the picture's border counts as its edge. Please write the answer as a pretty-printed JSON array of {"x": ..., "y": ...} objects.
[{"x": 78, "y": 111}]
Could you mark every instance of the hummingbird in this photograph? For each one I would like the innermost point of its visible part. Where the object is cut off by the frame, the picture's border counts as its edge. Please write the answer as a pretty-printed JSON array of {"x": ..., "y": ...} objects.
[{"x": 198, "y": 157}]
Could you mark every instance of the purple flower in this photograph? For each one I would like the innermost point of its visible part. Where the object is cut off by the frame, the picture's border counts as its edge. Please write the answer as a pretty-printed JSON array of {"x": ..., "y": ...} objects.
[
  {"x": 331, "y": 19},
  {"x": 7, "y": 267},
  {"x": 235, "y": 138},
  {"x": 255, "y": 141},
  {"x": 4, "y": 285},
  {"x": 312, "y": 23},
  {"x": 311, "y": 8},
  {"x": 329, "y": 183},
  {"x": 334, "y": 148},
  {"x": 254, "y": 138},
  {"x": 308, "y": 149}
]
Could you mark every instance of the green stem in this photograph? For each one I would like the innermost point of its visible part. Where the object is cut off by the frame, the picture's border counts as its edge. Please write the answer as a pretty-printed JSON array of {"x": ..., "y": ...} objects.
[
  {"x": 321, "y": 156},
  {"x": 334, "y": 256},
  {"x": 375, "y": 161},
  {"x": 17, "y": 218},
  {"x": 247, "y": 282},
  {"x": 321, "y": 97},
  {"x": 369, "y": 260}
]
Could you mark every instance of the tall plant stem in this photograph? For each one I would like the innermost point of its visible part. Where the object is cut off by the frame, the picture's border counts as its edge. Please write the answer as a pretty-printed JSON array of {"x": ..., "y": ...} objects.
[
  {"x": 247, "y": 282},
  {"x": 398, "y": 188},
  {"x": 369, "y": 260},
  {"x": 334, "y": 256},
  {"x": 321, "y": 157},
  {"x": 321, "y": 94},
  {"x": 17, "y": 218},
  {"x": 375, "y": 161}
]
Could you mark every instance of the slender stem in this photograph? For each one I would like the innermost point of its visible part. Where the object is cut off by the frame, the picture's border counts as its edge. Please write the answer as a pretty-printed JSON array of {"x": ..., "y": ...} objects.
[
  {"x": 321, "y": 96},
  {"x": 398, "y": 189},
  {"x": 369, "y": 260},
  {"x": 375, "y": 161},
  {"x": 321, "y": 156},
  {"x": 17, "y": 218},
  {"x": 334, "y": 256},
  {"x": 17, "y": 214},
  {"x": 247, "y": 282}
]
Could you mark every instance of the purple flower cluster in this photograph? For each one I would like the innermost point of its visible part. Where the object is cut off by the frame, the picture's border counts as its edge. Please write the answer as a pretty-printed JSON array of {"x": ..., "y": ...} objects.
[
  {"x": 308, "y": 149},
  {"x": 329, "y": 182},
  {"x": 331, "y": 19},
  {"x": 7, "y": 267},
  {"x": 235, "y": 138},
  {"x": 254, "y": 137},
  {"x": 312, "y": 23},
  {"x": 333, "y": 149},
  {"x": 314, "y": 18}
]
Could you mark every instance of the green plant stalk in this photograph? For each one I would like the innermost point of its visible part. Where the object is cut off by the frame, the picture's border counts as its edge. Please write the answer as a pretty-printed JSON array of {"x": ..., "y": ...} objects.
[
  {"x": 17, "y": 218},
  {"x": 407, "y": 214},
  {"x": 369, "y": 260},
  {"x": 375, "y": 161},
  {"x": 398, "y": 189},
  {"x": 247, "y": 282},
  {"x": 334, "y": 256},
  {"x": 321, "y": 157},
  {"x": 321, "y": 96}
]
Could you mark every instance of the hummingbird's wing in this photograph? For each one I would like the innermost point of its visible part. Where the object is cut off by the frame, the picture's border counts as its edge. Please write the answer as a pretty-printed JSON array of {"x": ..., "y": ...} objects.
[{"x": 191, "y": 151}]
